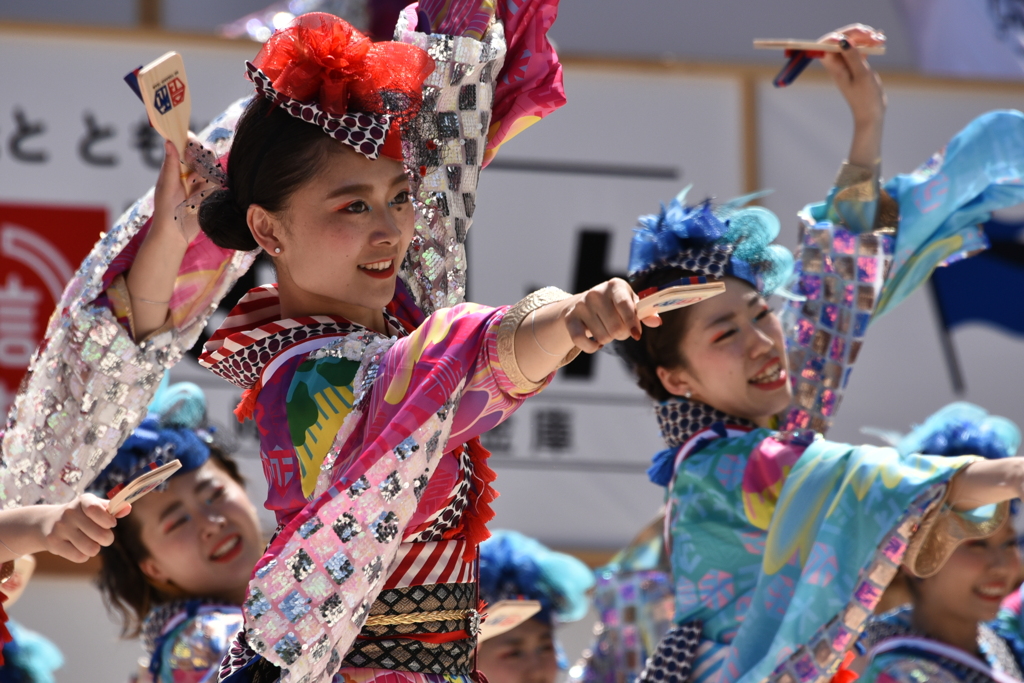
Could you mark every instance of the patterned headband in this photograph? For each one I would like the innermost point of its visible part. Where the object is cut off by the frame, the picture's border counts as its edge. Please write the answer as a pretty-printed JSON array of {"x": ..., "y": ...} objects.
[
  {"x": 363, "y": 132},
  {"x": 323, "y": 71}
]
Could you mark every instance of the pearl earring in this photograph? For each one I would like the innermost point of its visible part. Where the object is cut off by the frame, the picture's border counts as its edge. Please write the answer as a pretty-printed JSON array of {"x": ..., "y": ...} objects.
[
  {"x": 688, "y": 394},
  {"x": 277, "y": 250}
]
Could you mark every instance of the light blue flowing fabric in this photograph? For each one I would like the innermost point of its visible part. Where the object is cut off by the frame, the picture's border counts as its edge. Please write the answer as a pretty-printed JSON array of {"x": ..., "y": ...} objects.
[
  {"x": 945, "y": 200},
  {"x": 783, "y": 550}
]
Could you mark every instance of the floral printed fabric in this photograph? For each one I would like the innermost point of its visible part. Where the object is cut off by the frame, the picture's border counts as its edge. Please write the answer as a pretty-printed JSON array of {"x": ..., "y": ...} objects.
[{"x": 782, "y": 549}]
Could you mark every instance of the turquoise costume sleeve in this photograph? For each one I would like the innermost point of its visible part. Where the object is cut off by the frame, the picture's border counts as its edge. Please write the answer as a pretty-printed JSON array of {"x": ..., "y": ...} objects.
[
  {"x": 782, "y": 549},
  {"x": 853, "y": 268},
  {"x": 943, "y": 202}
]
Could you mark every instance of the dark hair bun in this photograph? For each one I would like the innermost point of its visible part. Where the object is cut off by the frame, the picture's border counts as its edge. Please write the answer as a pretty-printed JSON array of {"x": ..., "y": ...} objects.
[{"x": 224, "y": 222}]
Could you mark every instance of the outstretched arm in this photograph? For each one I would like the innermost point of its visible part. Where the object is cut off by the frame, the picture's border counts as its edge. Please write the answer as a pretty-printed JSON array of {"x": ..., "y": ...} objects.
[
  {"x": 987, "y": 482},
  {"x": 586, "y": 321},
  {"x": 74, "y": 531}
]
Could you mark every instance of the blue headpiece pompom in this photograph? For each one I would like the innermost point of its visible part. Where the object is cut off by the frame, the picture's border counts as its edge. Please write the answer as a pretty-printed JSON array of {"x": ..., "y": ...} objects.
[
  {"x": 963, "y": 429},
  {"x": 174, "y": 429},
  {"x": 731, "y": 239},
  {"x": 514, "y": 566}
]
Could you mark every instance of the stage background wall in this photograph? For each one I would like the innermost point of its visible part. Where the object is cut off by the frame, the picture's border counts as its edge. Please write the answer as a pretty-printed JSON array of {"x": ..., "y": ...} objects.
[{"x": 571, "y": 463}]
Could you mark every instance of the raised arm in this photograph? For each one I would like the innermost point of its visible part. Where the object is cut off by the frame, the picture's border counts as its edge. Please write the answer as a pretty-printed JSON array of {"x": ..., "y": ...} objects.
[
  {"x": 150, "y": 281},
  {"x": 861, "y": 88},
  {"x": 845, "y": 247}
]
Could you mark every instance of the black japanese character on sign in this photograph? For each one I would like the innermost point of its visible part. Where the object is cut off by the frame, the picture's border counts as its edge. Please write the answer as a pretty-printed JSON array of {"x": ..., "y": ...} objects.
[
  {"x": 26, "y": 129},
  {"x": 592, "y": 249},
  {"x": 95, "y": 134},
  {"x": 552, "y": 429},
  {"x": 498, "y": 439},
  {"x": 149, "y": 143}
]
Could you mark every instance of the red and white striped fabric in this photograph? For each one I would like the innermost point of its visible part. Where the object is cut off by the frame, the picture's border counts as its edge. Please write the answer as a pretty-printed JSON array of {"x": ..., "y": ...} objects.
[
  {"x": 420, "y": 564},
  {"x": 257, "y": 316}
]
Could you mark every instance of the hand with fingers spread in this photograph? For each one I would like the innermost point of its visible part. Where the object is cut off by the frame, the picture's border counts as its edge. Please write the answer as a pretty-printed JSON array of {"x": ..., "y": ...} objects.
[
  {"x": 861, "y": 87},
  {"x": 588, "y": 321},
  {"x": 74, "y": 531}
]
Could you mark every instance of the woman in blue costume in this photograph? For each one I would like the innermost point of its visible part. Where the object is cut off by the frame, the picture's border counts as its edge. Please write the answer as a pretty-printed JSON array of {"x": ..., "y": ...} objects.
[
  {"x": 781, "y": 542},
  {"x": 941, "y": 635},
  {"x": 514, "y": 567},
  {"x": 180, "y": 563}
]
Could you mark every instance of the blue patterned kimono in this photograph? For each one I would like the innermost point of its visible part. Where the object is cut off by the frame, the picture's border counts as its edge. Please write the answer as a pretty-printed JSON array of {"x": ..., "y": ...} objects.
[{"x": 781, "y": 543}]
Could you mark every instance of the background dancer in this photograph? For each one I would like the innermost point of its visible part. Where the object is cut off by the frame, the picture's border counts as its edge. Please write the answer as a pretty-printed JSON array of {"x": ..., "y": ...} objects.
[
  {"x": 178, "y": 568},
  {"x": 941, "y": 635},
  {"x": 777, "y": 559},
  {"x": 516, "y": 567}
]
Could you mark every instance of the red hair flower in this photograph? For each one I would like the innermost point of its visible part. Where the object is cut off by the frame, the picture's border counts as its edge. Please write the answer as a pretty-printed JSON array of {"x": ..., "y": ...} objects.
[{"x": 324, "y": 71}]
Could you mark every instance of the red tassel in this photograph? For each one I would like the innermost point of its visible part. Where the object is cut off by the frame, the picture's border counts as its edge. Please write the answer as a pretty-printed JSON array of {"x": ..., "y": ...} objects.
[
  {"x": 483, "y": 494},
  {"x": 247, "y": 405}
]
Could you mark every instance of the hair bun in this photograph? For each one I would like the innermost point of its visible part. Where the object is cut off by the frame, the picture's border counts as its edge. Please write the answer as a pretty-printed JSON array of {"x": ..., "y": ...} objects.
[{"x": 224, "y": 222}]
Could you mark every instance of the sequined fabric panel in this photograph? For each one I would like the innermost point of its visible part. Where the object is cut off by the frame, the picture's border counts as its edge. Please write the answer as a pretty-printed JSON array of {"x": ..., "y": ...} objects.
[
  {"x": 443, "y": 148},
  {"x": 841, "y": 275},
  {"x": 820, "y": 657},
  {"x": 635, "y": 611},
  {"x": 89, "y": 382},
  {"x": 383, "y": 647},
  {"x": 299, "y": 607}
]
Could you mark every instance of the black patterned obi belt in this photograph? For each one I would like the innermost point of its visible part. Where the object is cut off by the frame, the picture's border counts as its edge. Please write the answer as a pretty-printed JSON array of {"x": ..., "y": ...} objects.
[{"x": 426, "y": 628}]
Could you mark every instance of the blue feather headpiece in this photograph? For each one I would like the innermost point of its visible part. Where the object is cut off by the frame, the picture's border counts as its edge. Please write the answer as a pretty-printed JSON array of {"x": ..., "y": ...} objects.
[
  {"x": 517, "y": 567},
  {"x": 174, "y": 429},
  {"x": 714, "y": 242}
]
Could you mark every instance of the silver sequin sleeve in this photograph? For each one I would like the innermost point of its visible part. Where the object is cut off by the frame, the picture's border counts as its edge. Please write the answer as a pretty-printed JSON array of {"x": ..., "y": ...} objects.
[
  {"x": 89, "y": 382},
  {"x": 444, "y": 149},
  {"x": 843, "y": 261}
]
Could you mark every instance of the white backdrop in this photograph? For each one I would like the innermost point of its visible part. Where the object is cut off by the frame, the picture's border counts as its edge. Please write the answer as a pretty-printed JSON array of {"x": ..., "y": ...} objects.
[{"x": 571, "y": 463}]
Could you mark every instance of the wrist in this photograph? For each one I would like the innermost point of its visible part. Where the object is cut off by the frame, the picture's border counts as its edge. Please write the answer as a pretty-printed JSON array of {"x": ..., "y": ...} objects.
[
  {"x": 869, "y": 124},
  {"x": 168, "y": 235}
]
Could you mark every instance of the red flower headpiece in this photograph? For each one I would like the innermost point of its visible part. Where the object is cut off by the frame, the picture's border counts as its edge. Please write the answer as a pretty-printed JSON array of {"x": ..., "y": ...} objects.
[{"x": 322, "y": 70}]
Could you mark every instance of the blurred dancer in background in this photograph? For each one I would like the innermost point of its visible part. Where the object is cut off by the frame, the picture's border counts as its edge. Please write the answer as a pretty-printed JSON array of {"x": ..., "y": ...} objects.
[
  {"x": 635, "y": 602},
  {"x": 515, "y": 567},
  {"x": 941, "y": 635},
  {"x": 177, "y": 571}
]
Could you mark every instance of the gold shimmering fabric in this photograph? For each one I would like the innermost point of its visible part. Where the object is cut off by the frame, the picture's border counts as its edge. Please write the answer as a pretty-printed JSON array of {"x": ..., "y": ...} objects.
[{"x": 943, "y": 529}]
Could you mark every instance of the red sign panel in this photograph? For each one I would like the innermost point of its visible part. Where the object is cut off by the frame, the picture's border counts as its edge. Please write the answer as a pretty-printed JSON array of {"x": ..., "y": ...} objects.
[{"x": 40, "y": 249}]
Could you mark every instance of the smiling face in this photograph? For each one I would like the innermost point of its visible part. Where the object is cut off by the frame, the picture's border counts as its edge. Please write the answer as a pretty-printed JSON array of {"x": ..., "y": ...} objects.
[
  {"x": 342, "y": 236},
  {"x": 974, "y": 581},
  {"x": 734, "y": 353},
  {"x": 201, "y": 533},
  {"x": 526, "y": 654}
]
